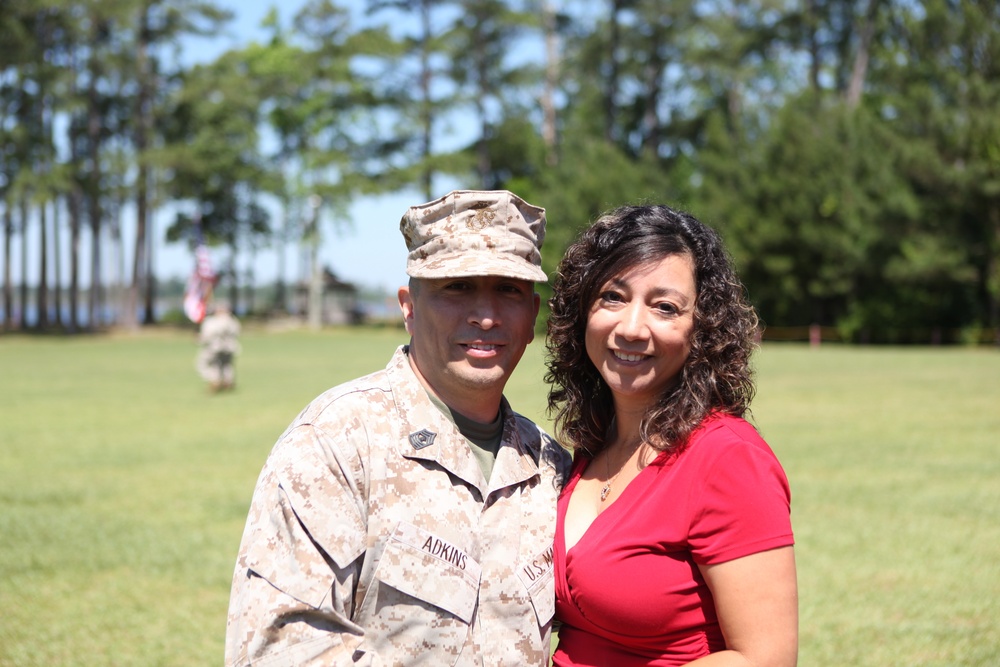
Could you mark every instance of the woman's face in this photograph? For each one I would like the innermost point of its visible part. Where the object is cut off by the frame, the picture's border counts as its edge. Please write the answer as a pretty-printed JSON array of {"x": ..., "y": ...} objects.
[{"x": 639, "y": 329}]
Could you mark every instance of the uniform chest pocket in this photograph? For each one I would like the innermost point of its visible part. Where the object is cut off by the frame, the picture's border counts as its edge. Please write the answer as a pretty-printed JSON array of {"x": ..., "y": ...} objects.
[
  {"x": 538, "y": 577},
  {"x": 425, "y": 566}
]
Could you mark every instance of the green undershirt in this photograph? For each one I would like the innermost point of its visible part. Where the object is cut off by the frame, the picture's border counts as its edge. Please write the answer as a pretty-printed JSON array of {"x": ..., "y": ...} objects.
[{"x": 484, "y": 438}]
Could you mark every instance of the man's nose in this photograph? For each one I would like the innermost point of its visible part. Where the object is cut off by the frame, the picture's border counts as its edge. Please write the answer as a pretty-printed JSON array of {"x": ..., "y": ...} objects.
[{"x": 485, "y": 312}]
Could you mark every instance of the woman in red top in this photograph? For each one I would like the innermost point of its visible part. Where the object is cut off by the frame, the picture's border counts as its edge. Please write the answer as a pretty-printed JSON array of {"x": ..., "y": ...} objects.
[{"x": 673, "y": 540}]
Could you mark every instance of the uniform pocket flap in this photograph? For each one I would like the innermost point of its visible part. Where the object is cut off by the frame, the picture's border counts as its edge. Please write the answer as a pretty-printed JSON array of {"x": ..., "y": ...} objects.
[
  {"x": 429, "y": 568},
  {"x": 281, "y": 552},
  {"x": 322, "y": 497},
  {"x": 538, "y": 577}
]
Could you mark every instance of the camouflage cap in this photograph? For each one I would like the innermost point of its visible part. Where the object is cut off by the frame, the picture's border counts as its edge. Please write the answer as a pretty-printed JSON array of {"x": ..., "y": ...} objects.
[{"x": 475, "y": 233}]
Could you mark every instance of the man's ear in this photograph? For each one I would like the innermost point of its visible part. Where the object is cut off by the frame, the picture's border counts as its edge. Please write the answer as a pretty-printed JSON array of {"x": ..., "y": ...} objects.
[
  {"x": 538, "y": 304},
  {"x": 406, "y": 306}
]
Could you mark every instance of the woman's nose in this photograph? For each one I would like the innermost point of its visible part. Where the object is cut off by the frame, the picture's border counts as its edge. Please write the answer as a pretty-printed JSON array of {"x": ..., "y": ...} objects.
[{"x": 633, "y": 322}]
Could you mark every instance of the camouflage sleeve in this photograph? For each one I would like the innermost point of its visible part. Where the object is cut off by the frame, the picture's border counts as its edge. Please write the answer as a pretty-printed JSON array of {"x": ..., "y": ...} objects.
[{"x": 293, "y": 590}]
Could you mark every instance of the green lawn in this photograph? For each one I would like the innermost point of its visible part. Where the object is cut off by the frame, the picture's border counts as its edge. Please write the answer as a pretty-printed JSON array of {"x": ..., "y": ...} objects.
[{"x": 124, "y": 487}]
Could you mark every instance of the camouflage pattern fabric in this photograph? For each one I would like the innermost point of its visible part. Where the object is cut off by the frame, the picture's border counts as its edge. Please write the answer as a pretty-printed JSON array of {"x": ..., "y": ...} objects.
[
  {"x": 475, "y": 233},
  {"x": 218, "y": 339},
  {"x": 374, "y": 539}
]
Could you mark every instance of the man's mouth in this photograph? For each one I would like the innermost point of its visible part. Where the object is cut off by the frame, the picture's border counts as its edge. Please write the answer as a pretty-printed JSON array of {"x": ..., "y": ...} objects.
[{"x": 483, "y": 347}]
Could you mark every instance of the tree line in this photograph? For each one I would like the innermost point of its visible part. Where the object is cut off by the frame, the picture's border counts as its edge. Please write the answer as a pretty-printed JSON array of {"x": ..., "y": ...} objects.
[{"x": 847, "y": 150}]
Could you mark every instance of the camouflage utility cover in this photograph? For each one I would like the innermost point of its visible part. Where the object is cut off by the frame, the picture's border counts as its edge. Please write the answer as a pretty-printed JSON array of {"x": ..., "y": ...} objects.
[
  {"x": 374, "y": 539},
  {"x": 475, "y": 233}
]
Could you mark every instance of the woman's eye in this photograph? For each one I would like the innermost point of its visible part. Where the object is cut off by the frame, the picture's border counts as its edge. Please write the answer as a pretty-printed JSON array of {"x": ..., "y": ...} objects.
[
  {"x": 611, "y": 297},
  {"x": 667, "y": 309}
]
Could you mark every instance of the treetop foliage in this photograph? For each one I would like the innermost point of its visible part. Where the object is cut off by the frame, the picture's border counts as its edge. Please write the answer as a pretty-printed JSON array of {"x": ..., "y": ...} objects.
[{"x": 848, "y": 152}]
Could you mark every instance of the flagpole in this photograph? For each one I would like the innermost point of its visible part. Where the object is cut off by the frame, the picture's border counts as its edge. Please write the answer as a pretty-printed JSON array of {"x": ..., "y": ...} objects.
[{"x": 200, "y": 285}]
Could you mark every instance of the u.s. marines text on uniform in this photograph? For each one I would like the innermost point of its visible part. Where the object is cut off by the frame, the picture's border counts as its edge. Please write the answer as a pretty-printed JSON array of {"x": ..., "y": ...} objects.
[{"x": 377, "y": 535}]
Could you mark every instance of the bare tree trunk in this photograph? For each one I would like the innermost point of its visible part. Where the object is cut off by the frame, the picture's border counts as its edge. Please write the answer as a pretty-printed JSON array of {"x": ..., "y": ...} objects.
[
  {"x": 8, "y": 290},
  {"x": 73, "y": 203},
  {"x": 426, "y": 111},
  {"x": 94, "y": 183},
  {"x": 137, "y": 283},
  {"x": 280, "y": 299},
  {"x": 45, "y": 160},
  {"x": 23, "y": 209},
  {"x": 57, "y": 263},
  {"x": 234, "y": 279},
  {"x": 119, "y": 292},
  {"x": 655, "y": 65},
  {"x": 95, "y": 297},
  {"x": 812, "y": 25},
  {"x": 484, "y": 165},
  {"x": 611, "y": 83},
  {"x": 552, "y": 67},
  {"x": 139, "y": 266},
  {"x": 149, "y": 296},
  {"x": 248, "y": 291},
  {"x": 251, "y": 281},
  {"x": 859, "y": 71},
  {"x": 992, "y": 275},
  {"x": 42, "y": 295}
]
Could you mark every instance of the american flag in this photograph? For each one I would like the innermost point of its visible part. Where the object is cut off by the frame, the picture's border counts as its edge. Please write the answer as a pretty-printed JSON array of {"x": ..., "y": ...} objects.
[{"x": 199, "y": 286}]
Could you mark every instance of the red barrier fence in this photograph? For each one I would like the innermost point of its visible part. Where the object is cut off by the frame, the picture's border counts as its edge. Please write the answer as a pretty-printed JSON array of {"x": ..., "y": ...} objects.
[{"x": 815, "y": 335}]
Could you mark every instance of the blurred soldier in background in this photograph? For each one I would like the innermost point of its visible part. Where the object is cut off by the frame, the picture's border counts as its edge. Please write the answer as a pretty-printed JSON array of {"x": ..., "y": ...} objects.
[{"x": 219, "y": 341}]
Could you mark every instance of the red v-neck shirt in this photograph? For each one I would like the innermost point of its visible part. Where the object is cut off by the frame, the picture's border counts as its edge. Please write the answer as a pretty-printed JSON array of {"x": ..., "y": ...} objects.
[{"x": 630, "y": 591}]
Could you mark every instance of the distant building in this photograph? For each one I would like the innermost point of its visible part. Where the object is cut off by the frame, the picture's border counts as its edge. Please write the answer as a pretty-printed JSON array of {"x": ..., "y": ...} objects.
[{"x": 340, "y": 300}]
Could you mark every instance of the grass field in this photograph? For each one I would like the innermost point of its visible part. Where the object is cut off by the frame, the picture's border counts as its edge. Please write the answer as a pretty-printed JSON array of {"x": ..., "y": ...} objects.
[{"x": 124, "y": 487}]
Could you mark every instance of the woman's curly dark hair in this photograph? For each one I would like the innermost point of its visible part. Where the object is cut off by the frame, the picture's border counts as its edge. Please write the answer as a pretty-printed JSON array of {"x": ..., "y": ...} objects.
[{"x": 716, "y": 376}]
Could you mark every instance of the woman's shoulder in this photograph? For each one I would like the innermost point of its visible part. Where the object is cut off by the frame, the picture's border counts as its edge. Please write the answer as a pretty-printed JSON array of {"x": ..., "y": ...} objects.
[
  {"x": 724, "y": 426},
  {"x": 720, "y": 433}
]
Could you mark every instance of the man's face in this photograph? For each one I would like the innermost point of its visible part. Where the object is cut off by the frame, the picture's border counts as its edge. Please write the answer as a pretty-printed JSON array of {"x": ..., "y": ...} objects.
[{"x": 468, "y": 335}]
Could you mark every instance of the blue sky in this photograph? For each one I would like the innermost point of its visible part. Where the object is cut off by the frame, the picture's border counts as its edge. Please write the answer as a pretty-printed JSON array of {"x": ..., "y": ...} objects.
[{"x": 369, "y": 250}]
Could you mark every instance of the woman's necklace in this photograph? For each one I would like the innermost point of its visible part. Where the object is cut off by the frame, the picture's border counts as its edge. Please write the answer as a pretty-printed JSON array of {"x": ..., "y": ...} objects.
[{"x": 606, "y": 489}]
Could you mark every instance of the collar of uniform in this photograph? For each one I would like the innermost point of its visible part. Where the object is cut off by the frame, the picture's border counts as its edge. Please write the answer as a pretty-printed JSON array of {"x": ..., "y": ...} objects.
[
  {"x": 417, "y": 414},
  {"x": 515, "y": 462}
]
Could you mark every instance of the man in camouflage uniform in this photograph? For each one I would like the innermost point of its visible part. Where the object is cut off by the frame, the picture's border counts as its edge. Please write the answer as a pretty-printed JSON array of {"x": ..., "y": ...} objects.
[
  {"x": 218, "y": 339},
  {"x": 407, "y": 517}
]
